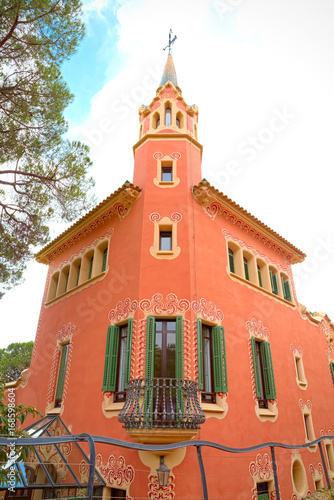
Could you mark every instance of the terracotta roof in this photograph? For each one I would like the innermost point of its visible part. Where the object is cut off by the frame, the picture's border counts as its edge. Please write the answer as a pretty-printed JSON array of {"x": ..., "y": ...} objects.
[
  {"x": 118, "y": 203},
  {"x": 215, "y": 203}
]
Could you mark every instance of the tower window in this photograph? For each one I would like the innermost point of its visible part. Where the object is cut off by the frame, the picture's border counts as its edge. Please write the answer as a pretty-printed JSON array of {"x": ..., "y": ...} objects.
[
  {"x": 166, "y": 174},
  {"x": 165, "y": 240},
  {"x": 178, "y": 122},
  {"x": 157, "y": 123},
  {"x": 168, "y": 117},
  {"x": 262, "y": 491}
]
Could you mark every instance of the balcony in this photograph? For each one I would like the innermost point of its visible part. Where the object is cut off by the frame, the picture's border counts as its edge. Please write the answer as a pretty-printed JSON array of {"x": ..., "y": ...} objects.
[{"x": 161, "y": 410}]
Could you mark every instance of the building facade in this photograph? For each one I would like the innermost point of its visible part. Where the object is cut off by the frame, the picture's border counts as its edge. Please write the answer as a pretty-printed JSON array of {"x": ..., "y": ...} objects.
[{"x": 170, "y": 315}]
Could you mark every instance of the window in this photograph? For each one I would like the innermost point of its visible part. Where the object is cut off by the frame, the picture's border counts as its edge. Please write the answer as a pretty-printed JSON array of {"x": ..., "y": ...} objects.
[
  {"x": 165, "y": 241},
  {"x": 263, "y": 372},
  {"x": 246, "y": 269},
  {"x": 168, "y": 117},
  {"x": 299, "y": 478},
  {"x": 273, "y": 280},
  {"x": 164, "y": 348},
  {"x": 330, "y": 456},
  {"x": 61, "y": 374},
  {"x": 78, "y": 275},
  {"x": 259, "y": 275},
  {"x": 53, "y": 286},
  {"x": 90, "y": 272},
  {"x": 309, "y": 431},
  {"x": 104, "y": 259},
  {"x": 115, "y": 493},
  {"x": 117, "y": 363},
  {"x": 212, "y": 370},
  {"x": 301, "y": 380},
  {"x": 262, "y": 491},
  {"x": 286, "y": 287},
  {"x": 231, "y": 260},
  {"x": 332, "y": 370},
  {"x": 156, "y": 120},
  {"x": 167, "y": 174},
  {"x": 179, "y": 119}
]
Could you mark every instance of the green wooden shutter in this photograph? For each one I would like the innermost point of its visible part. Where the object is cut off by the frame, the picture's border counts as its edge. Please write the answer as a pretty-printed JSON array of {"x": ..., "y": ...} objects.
[
  {"x": 128, "y": 353},
  {"x": 66, "y": 284},
  {"x": 231, "y": 261},
  {"x": 110, "y": 361},
  {"x": 268, "y": 371},
  {"x": 256, "y": 368},
  {"x": 332, "y": 369},
  {"x": 287, "y": 291},
  {"x": 218, "y": 368},
  {"x": 200, "y": 354},
  {"x": 259, "y": 276},
  {"x": 246, "y": 269},
  {"x": 225, "y": 383},
  {"x": 274, "y": 282},
  {"x": 149, "y": 369},
  {"x": 90, "y": 268},
  {"x": 104, "y": 260},
  {"x": 62, "y": 371},
  {"x": 150, "y": 339},
  {"x": 263, "y": 496},
  {"x": 179, "y": 348},
  {"x": 78, "y": 276}
]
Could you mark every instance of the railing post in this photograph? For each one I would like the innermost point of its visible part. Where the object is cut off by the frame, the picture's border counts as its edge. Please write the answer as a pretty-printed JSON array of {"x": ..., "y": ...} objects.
[
  {"x": 92, "y": 456},
  {"x": 201, "y": 466},
  {"x": 272, "y": 449},
  {"x": 324, "y": 465}
]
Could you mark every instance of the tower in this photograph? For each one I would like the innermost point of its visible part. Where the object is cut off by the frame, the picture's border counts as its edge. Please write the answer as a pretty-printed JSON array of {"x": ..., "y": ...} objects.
[{"x": 170, "y": 314}]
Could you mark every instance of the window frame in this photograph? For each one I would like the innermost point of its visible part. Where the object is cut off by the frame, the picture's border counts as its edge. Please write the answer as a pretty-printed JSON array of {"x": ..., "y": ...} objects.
[
  {"x": 263, "y": 372},
  {"x": 112, "y": 360},
  {"x": 218, "y": 361},
  {"x": 59, "y": 391}
]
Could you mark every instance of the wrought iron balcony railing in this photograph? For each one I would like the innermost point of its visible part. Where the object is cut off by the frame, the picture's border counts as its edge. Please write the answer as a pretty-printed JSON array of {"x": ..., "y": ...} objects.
[{"x": 161, "y": 403}]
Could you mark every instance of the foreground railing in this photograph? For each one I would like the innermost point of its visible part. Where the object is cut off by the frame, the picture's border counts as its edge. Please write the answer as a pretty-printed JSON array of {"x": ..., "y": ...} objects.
[{"x": 161, "y": 403}]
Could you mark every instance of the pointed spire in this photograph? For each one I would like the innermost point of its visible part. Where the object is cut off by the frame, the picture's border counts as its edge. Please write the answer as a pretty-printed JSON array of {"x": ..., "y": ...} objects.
[{"x": 169, "y": 73}]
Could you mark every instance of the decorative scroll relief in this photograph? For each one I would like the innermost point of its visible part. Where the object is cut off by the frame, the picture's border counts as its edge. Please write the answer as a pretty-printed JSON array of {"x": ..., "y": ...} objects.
[
  {"x": 305, "y": 406},
  {"x": 298, "y": 351},
  {"x": 261, "y": 470},
  {"x": 156, "y": 492},
  {"x": 208, "y": 312},
  {"x": 171, "y": 307},
  {"x": 121, "y": 313},
  {"x": 326, "y": 328},
  {"x": 212, "y": 206},
  {"x": 316, "y": 471},
  {"x": 65, "y": 334},
  {"x": 157, "y": 306},
  {"x": 116, "y": 473},
  {"x": 256, "y": 329}
]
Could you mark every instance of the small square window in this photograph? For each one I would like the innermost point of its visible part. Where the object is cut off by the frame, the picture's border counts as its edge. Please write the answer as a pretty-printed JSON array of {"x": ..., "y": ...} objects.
[
  {"x": 165, "y": 241},
  {"x": 166, "y": 174}
]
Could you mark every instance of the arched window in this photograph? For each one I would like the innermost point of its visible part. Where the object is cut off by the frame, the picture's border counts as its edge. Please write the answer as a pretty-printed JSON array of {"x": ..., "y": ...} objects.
[
  {"x": 178, "y": 122},
  {"x": 157, "y": 123},
  {"x": 179, "y": 119},
  {"x": 168, "y": 117}
]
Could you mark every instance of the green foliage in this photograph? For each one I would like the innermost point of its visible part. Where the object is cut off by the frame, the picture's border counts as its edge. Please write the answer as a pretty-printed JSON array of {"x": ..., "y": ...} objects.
[
  {"x": 15, "y": 358},
  {"x": 12, "y": 416},
  {"x": 43, "y": 176}
]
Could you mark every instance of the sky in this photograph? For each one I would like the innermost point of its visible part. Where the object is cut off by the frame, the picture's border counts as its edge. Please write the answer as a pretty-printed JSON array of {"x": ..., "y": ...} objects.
[{"x": 261, "y": 73}]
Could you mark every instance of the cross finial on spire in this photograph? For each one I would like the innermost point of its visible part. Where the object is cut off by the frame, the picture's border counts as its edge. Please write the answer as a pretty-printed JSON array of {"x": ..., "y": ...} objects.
[{"x": 170, "y": 41}]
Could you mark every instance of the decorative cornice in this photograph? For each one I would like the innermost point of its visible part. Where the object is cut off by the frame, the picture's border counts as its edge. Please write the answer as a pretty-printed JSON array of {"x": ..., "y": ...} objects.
[
  {"x": 119, "y": 203},
  {"x": 168, "y": 136},
  {"x": 216, "y": 203}
]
